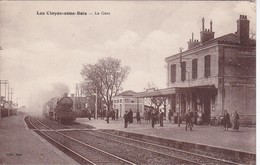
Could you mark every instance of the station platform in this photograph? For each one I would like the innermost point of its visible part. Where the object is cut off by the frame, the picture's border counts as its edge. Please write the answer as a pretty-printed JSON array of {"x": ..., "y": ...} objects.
[
  {"x": 20, "y": 145},
  {"x": 243, "y": 140}
]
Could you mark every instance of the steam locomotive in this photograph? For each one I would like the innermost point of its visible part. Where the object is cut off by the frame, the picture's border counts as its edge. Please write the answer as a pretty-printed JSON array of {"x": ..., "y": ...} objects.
[{"x": 60, "y": 110}]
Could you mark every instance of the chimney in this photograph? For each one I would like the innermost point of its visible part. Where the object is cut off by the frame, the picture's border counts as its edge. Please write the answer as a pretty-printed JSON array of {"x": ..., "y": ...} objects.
[
  {"x": 65, "y": 94},
  {"x": 206, "y": 34},
  {"x": 203, "y": 21},
  {"x": 192, "y": 43},
  {"x": 243, "y": 29},
  {"x": 211, "y": 25},
  {"x": 72, "y": 95}
]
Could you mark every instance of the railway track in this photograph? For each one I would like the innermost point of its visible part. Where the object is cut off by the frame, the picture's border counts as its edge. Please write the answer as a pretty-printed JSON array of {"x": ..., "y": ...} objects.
[
  {"x": 81, "y": 152},
  {"x": 140, "y": 152},
  {"x": 188, "y": 157},
  {"x": 127, "y": 154}
]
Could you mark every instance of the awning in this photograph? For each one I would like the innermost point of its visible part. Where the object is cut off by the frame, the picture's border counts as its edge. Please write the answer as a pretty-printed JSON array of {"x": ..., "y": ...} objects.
[
  {"x": 172, "y": 90},
  {"x": 158, "y": 92}
]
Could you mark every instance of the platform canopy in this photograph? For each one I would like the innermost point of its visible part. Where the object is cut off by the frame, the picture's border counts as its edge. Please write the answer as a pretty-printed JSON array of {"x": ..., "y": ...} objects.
[{"x": 172, "y": 90}]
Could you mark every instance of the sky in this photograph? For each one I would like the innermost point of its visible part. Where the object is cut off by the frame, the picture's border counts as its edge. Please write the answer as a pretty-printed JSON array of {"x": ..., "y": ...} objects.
[{"x": 44, "y": 54}]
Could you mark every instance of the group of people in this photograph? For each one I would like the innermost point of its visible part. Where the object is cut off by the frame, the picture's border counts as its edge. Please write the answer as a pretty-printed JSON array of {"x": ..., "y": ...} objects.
[
  {"x": 113, "y": 114},
  {"x": 226, "y": 121},
  {"x": 157, "y": 117},
  {"x": 154, "y": 116}
]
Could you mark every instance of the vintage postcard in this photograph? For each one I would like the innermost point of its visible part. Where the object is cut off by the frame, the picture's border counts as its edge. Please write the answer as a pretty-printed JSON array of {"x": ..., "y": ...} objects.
[{"x": 128, "y": 82}]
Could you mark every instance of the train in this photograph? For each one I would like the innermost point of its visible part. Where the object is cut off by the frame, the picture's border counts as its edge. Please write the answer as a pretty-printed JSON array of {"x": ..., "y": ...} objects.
[{"x": 60, "y": 109}]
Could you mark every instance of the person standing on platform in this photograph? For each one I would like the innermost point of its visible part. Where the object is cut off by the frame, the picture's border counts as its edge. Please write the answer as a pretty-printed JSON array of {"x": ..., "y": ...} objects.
[
  {"x": 108, "y": 115},
  {"x": 188, "y": 119},
  {"x": 138, "y": 118},
  {"x": 199, "y": 119},
  {"x": 130, "y": 116},
  {"x": 126, "y": 119},
  {"x": 149, "y": 115},
  {"x": 226, "y": 120},
  {"x": 170, "y": 114},
  {"x": 192, "y": 117},
  {"x": 116, "y": 114},
  {"x": 113, "y": 114},
  {"x": 161, "y": 115},
  {"x": 195, "y": 117},
  {"x": 153, "y": 117},
  {"x": 236, "y": 121}
]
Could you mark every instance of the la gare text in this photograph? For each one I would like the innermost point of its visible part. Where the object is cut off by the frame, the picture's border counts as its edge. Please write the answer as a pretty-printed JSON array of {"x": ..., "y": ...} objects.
[{"x": 72, "y": 13}]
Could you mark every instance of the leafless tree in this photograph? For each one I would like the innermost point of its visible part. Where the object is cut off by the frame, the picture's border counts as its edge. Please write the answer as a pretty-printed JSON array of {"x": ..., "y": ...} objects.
[
  {"x": 156, "y": 101},
  {"x": 105, "y": 77}
]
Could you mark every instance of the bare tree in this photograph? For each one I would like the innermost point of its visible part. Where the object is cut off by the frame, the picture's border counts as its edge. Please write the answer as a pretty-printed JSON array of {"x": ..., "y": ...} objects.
[
  {"x": 105, "y": 77},
  {"x": 156, "y": 101}
]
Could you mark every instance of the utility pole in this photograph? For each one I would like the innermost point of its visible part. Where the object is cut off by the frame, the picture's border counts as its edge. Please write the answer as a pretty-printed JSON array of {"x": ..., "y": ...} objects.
[
  {"x": 6, "y": 82},
  {"x": 179, "y": 110},
  {"x": 96, "y": 104},
  {"x": 11, "y": 94},
  {"x": 8, "y": 92}
]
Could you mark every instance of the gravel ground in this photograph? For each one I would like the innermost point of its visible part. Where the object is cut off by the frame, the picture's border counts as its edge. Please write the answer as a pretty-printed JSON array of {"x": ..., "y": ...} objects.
[
  {"x": 93, "y": 155},
  {"x": 138, "y": 155},
  {"x": 194, "y": 150}
]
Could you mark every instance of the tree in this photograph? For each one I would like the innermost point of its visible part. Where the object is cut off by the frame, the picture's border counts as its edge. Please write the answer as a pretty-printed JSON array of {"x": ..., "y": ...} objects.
[
  {"x": 156, "y": 101},
  {"x": 105, "y": 77}
]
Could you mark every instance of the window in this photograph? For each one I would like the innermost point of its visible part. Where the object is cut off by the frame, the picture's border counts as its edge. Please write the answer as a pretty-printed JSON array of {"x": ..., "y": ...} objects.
[
  {"x": 173, "y": 73},
  {"x": 194, "y": 68},
  {"x": 207, "y": 66},
  {"x": 120, "y": 100},
  {"x": 183, "y": 71}
]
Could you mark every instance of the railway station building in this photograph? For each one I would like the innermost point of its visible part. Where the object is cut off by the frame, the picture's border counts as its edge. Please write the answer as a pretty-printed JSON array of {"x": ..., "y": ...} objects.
[
  {"x": 213, "y": 75},
  {"x": 125, "y": 100}
]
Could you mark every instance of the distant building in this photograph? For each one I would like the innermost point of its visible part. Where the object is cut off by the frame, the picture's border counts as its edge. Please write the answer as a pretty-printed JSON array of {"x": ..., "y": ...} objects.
[
  {"x": 213, "y": 75},
  {"x": 79, "y": 105},
  {"x": 125, "y": 100}
]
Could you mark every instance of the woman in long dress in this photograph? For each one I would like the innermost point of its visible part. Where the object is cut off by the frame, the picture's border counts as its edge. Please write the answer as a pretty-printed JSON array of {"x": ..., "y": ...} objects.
[{"x": 236, "y": 121}]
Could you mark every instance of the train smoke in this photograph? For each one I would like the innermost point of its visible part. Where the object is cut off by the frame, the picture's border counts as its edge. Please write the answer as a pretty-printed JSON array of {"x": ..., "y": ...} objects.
[{"x": 38, "y": 99}]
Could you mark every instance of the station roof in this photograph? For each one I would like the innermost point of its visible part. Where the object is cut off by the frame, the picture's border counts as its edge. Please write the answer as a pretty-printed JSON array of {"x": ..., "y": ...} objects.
[
  {"x": 172, "y": 90},
  {"x": 127, "y": 93},
  {"x": 230, "y": 39}
]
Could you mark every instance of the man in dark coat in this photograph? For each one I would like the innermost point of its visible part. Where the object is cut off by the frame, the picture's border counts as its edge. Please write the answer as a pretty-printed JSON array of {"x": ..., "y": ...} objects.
[
  {"x": 161, "y": 115},
  {"x": 153, "y": 117},
  {"x": 188, "y": 119},
  {"x": 130, "y": 116},
  {"x": 138, "y": 118},
  {"x": 126, "y": 119},
  {"x": 236, "y": 121},
  {"x": 226, "y": 120},
  {"x": 170, "y": 114}
]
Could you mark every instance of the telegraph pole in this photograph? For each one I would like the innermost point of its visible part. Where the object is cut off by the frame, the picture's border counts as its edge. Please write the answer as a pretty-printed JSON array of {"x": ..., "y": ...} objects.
[
  {"x": 5, "y": 82},
  {"x": 179, "y": 110},
  {"x": 96, "y": 104},
  {"x": 11, "y": 94}
]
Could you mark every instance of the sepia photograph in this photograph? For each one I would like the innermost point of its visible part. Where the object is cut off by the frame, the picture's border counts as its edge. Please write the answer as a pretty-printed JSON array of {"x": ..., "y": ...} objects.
[{"x": 128, "y": 82}]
